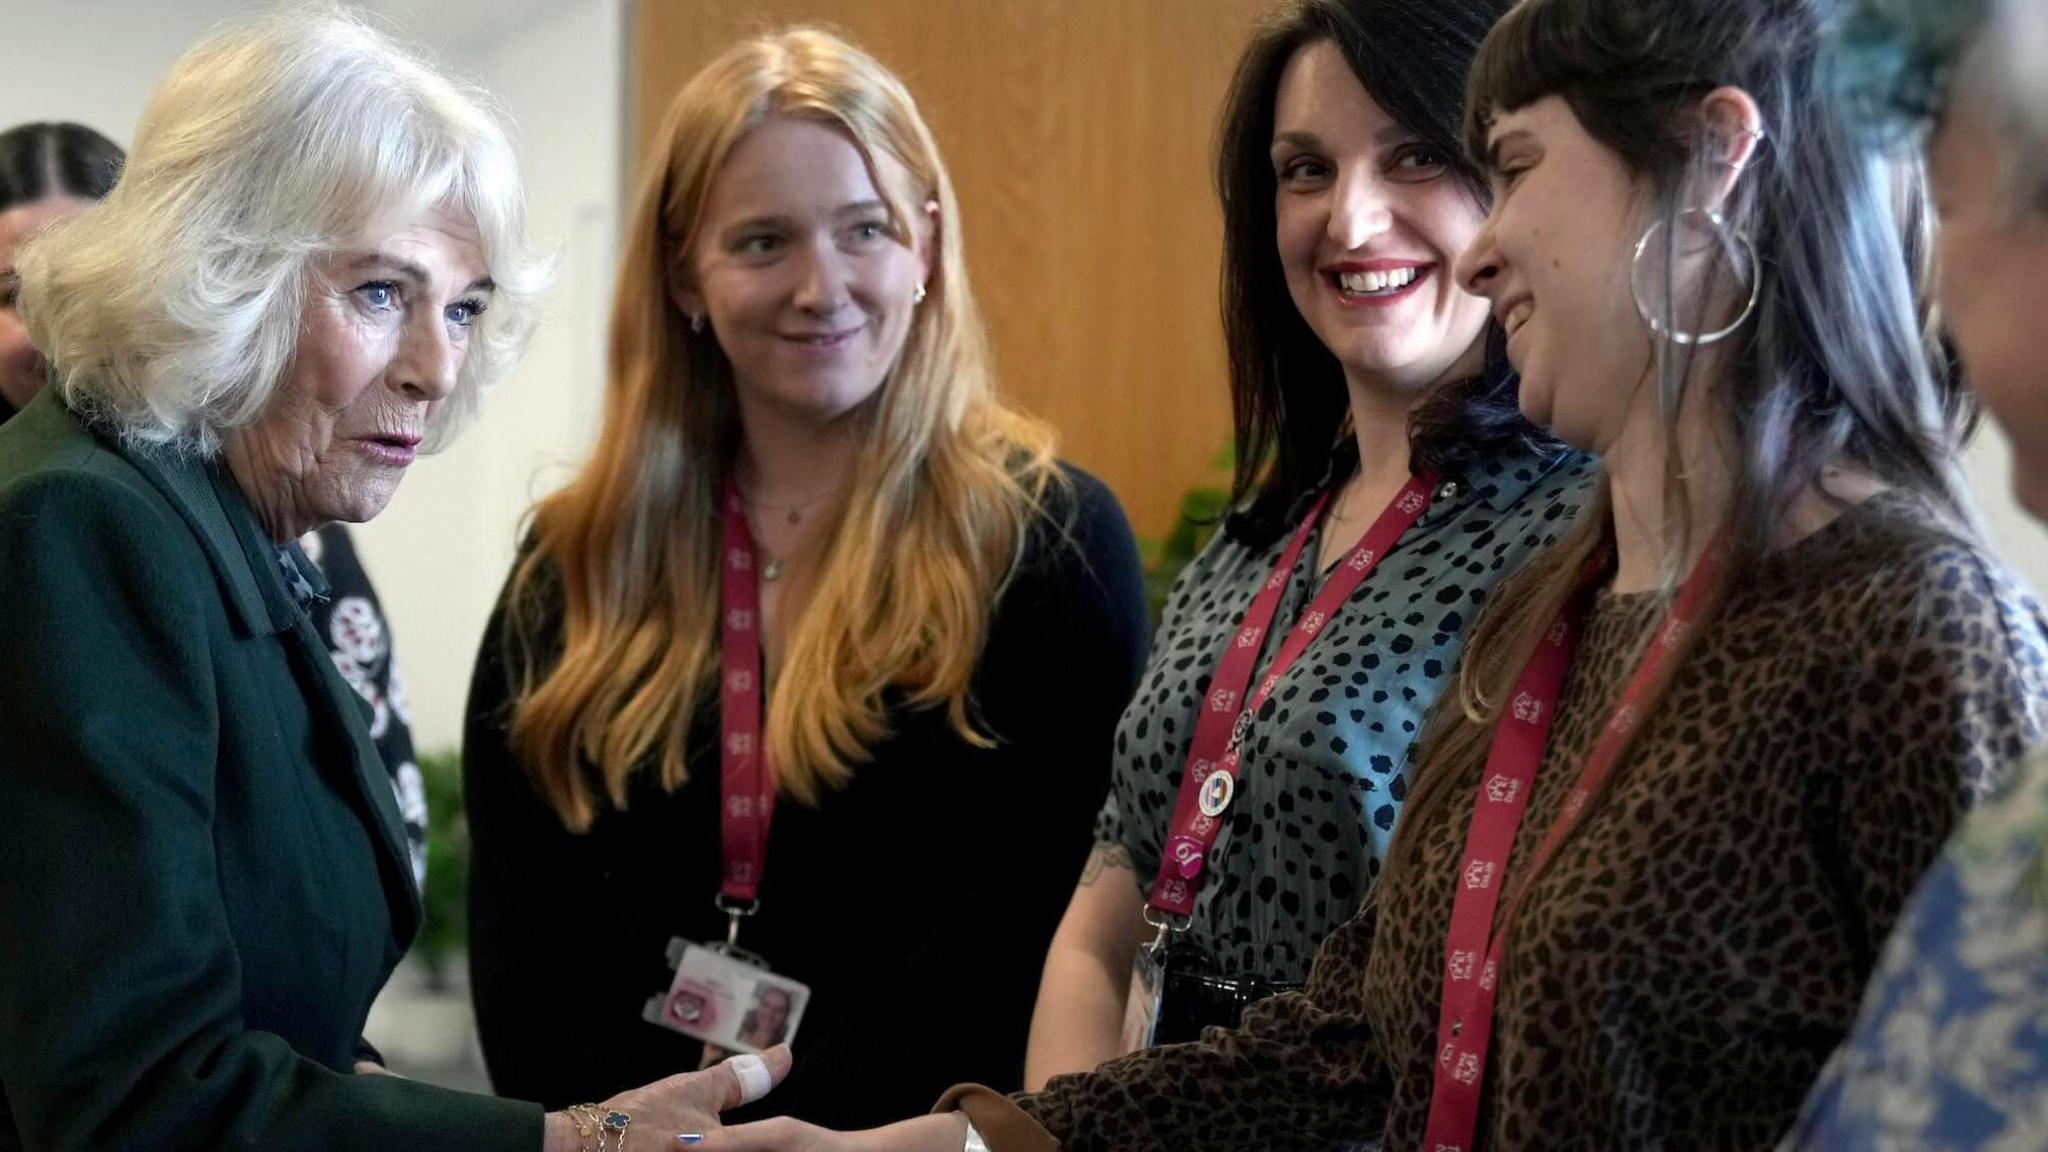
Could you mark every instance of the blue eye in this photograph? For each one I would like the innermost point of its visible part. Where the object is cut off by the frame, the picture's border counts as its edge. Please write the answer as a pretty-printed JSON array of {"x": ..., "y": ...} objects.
[
  {"x": 760, "y": 244},
  {"x": 464, "y": 313},
  {"x": 379, "y": 294}
]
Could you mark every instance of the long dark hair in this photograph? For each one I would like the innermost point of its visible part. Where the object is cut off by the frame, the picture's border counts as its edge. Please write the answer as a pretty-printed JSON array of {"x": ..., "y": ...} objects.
[
  {"x": 1287, "y": 389},
  {"x": 1840, "y": 363},
  {"x": 42, "y": 159}
]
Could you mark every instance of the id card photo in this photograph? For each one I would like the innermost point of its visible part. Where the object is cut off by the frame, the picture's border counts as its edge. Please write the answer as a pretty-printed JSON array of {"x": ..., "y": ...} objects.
[{"x": 722, "y": 999}]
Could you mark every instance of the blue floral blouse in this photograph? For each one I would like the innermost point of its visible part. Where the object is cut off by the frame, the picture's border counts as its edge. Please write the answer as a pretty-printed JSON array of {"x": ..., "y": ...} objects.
[{"x": 1951, "y": 1049}]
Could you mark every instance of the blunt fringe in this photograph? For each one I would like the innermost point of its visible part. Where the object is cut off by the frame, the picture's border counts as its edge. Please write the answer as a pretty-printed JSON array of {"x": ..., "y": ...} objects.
[{"x": 1841, "y": 364}]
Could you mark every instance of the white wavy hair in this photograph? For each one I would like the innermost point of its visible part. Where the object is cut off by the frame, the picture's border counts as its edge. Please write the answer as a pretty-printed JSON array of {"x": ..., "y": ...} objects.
[{"x": 171, "y": 310}]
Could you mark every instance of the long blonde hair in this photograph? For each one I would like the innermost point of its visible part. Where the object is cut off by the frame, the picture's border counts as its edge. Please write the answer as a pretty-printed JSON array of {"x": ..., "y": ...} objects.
[{"x": 941, "y": 500}]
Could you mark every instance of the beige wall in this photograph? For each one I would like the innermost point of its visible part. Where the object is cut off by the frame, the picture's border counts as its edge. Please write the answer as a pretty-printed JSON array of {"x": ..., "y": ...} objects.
[{"x": 1079, "y": 135}]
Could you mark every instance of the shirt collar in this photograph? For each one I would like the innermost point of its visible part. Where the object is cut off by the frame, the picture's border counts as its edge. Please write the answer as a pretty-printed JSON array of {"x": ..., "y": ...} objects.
[
  {"x": 1498, "y": 480},
  {"x": 302, "y": 578}
]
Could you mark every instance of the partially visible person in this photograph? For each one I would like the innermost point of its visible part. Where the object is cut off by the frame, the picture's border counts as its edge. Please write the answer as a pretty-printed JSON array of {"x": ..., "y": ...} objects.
[
  {"x": 351, "y": 623},
  {"x": 311, "y": 268},
  {"x": 1362, "y": 374},
  {"x": 1705, "y": 746},
  {"x": 765, "y": 1024},
  {"x": 819, "y": 656},
  {"x": 1951, "y": 1050},
  {"x": 47, "y": 173}
]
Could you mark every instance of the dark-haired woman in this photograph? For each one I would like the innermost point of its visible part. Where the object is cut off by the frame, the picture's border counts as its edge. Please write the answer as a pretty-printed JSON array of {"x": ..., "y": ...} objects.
[
  {"x": 47, "y": 172},
  {"x": 1704, "y": 746},
  {"x": 1362, "y": 378}
]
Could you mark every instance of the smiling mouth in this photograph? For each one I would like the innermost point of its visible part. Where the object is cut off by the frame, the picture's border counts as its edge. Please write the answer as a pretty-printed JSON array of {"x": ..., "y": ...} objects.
[
  {"x": 825, "y": 340},
  {"x": 1377, "y": 286},
  {"x": 1378, "y": 283},
  {"x": 1512, "y": 320}
]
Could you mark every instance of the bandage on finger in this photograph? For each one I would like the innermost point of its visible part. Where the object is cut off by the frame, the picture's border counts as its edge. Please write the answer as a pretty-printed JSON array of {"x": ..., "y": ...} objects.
[{"x": 752, "y": 1073}]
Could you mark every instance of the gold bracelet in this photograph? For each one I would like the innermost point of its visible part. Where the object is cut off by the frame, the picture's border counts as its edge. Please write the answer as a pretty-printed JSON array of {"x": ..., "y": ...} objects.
[
  {"x": 588, "y": 1124},
  {"x": 617, "y": 1122}
]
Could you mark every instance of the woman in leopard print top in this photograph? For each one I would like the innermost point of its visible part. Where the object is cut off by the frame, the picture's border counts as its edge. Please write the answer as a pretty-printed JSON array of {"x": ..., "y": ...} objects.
[
  {"x": 1678, "y": 971},
  {"x": 1686, "y": 963}
]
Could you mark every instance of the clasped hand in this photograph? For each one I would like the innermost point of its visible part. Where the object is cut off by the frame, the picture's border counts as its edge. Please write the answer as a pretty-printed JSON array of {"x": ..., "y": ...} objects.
[
  {"x": 942, "y": 1133},
  {"x": 687, "y": 1104}
]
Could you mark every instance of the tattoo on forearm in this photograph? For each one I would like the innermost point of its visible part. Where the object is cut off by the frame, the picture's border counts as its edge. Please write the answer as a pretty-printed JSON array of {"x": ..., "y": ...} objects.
[{"x": 1104, "y": 857}]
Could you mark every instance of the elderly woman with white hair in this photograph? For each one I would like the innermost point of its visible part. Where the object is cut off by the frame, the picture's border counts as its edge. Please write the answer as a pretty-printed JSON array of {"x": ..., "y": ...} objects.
[
  {"x": 311, "y": 268},
  {"x": 1951, "y": 1051}
]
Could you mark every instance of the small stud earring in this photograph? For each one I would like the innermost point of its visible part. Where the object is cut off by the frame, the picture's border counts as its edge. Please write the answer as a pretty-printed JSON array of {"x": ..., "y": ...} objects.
[
  {"x": 697, "y": 323},
  {"x": 919, "y": 297}
]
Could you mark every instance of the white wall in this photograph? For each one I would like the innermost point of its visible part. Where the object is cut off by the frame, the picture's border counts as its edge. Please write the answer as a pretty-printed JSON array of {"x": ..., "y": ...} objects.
[
  {"x": 441, "y": 551},
  {"x": 2018, "y": 536},
  {"x": 439, "y": 554},
  {"x": 94, "y": 61}
]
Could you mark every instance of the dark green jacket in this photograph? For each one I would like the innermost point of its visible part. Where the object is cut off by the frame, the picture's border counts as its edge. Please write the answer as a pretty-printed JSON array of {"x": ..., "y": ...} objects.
[{"x": 203, "y": 882}]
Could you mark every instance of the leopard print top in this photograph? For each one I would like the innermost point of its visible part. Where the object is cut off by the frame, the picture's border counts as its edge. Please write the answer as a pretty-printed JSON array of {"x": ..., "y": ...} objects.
[{"x": 1681, "y": 971}]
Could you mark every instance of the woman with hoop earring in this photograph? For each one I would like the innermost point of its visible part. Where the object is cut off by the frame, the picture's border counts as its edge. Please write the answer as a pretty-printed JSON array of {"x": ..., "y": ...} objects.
[{"x": 1704, "y": 747}]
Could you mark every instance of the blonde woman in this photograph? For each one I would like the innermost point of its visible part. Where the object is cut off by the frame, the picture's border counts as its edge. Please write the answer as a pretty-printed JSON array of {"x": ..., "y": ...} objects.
[{"x": 820, "y": 654}]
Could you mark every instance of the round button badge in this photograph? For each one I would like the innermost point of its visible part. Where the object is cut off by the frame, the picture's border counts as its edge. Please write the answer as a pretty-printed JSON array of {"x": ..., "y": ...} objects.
[{"x": 1215, "y": 794}]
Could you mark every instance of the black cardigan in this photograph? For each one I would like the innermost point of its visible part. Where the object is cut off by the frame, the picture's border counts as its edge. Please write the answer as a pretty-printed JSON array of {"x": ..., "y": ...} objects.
[{"x": 917, "y": 902}]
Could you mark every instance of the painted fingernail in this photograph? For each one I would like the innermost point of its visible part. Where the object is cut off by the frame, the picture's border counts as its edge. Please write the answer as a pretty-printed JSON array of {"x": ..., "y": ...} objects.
[{"x": 690, "y": 1137}]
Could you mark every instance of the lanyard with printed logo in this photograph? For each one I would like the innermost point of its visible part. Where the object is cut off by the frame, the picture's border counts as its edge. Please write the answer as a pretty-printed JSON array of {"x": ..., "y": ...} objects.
[
  {"x": 1225, "y": 714},
  {"x": 1473, "y": 947},
  {"x": 729, "y": 999},
  {"x": 746, "y": 784}
]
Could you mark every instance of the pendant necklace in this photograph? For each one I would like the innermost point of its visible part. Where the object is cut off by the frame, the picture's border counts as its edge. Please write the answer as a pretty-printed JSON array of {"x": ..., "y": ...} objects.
[{"x": 771, "y": 564}]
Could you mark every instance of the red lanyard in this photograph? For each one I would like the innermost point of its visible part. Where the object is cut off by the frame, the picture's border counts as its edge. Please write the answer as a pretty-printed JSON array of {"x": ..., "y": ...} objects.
[
  {"x": 746, "y": 783},
  {"x": 1226, "y": 714},
  {"x": 1473, "y": 948}
]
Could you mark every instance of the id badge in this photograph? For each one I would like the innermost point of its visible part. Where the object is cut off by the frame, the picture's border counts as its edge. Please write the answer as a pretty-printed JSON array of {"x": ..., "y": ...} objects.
[
  {"x": 1141, "y": 1003},
  {"x": 727, "y": 998}
]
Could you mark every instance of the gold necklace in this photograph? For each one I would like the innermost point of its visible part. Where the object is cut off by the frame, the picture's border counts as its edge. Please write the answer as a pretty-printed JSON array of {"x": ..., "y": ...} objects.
[{"x": 771, "y": 564}]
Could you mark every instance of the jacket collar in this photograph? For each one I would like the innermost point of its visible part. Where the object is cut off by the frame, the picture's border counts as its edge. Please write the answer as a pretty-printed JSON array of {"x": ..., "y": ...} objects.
[
  {"x": 206, "y": 496},
  {"x": 247, "y": 565}
]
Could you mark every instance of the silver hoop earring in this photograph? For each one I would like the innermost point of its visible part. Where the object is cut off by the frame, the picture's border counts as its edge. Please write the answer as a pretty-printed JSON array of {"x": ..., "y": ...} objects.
[
  {"x": 1756, "y": 280},
  {"x": 697, "y": 323},
  {"x": 918, "y": 296}
]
